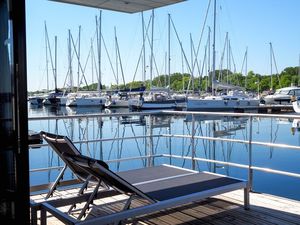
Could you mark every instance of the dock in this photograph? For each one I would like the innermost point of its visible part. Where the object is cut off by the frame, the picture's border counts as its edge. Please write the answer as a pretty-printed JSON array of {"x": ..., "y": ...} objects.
[
  {"x": 222, "y": 209},
  {"x": 275, "y": 108},
  {"x": 263, "y": 108}
]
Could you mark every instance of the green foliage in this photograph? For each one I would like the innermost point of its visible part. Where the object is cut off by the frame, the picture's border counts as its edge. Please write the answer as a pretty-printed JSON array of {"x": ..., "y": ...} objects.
[
  {"x": 91, "y": 87},
  {"x": 179, "y": 82}
]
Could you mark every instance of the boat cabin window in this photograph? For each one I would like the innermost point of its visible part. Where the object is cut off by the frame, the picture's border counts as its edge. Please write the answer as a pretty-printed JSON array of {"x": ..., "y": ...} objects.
[
  {"x": 292, "y": 92},
  {"x": 296, "y": 92},
  {"x": 283, "y": 92}
]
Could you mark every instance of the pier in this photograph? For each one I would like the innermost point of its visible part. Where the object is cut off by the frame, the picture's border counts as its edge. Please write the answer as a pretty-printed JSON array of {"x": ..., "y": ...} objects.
[
  {"x": 275, "y": 108},
  {"x": 266, "y": 108}
]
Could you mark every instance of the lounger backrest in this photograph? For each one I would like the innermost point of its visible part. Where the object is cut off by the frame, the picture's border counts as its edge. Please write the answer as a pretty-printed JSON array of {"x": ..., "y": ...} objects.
[
  {"x": 63, "y": 145},
  {"x": 60, "y": 144},
  {"x": 105, "y": 175}
]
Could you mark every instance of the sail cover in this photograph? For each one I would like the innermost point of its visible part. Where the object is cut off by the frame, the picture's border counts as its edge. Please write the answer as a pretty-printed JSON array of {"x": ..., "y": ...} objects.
[{"x": 128, "y": 6}]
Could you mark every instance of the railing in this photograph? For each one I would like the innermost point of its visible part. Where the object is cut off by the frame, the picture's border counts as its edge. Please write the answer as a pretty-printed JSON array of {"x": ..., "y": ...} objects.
[{"x": 149, "y": 136}]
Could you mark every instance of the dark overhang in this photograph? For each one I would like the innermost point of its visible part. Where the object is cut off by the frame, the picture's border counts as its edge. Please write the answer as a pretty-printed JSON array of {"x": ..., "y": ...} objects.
[{"x": 128, "y": 6}]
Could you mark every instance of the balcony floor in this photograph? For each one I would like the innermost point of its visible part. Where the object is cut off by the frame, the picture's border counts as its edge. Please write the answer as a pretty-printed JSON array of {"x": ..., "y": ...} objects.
[{"x": 222, "y": 209}]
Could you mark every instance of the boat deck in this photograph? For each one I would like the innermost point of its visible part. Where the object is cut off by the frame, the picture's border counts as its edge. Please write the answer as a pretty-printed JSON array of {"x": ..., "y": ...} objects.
[{"x": 222, "y": 209}]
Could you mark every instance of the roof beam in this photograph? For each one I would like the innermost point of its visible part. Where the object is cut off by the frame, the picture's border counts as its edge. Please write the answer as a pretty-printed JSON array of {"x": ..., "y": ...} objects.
[{"x": 127, "y": 6}]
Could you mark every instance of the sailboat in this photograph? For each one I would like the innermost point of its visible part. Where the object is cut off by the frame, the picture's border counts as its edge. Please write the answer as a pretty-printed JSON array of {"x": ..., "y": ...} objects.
[
  {"x": 53, "y": 97},
  {"x": 232, "y": 100},
  {"x": 157, "y": 98},
  {"x": 39, "y": 99},
  {"x": 119, "y": 99},
  {"x": 90, "y": 98}
]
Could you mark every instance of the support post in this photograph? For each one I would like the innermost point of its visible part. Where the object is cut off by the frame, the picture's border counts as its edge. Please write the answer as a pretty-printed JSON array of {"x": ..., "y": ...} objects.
[
  {"x": 250, "y": 170},
  {"x": 193, "y": 143}
]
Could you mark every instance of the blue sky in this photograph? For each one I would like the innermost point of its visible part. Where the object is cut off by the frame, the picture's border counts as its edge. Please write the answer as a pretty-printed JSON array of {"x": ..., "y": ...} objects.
[{"x": 250, "y": 23}]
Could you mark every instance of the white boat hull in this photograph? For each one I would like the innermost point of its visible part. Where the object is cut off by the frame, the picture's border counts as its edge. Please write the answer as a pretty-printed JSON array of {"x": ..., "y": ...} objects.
[
  {"x": 85, "y": 101},
  {"x": 220, "y": 104},
  {"x": 36, "y": 100},
  {"x": 296, "y": 106},
  {"x": 116, "y": 103},
  {"x": 140, "y": 104},
  {"x": 277, "y": 99}
]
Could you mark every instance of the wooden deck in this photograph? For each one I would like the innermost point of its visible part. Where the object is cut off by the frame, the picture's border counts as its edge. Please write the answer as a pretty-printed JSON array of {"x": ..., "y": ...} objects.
[{"x": 224, "y": 209}]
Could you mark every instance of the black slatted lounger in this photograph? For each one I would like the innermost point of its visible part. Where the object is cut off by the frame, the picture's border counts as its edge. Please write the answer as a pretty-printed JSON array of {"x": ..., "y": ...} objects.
[
  {"x": 162, "y": 186},
  {"x": 63, "y": 145}
]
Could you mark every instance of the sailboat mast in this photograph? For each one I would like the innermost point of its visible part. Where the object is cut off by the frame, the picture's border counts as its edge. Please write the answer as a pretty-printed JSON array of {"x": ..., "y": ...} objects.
[
  {"x": 151, "y": 63},
  {"x": 99, "y": 51},
  {"x": 55, "y": 63},
  {"x": 144, "y": 50},
  {"x": 214, "y": 50},
  {"x": 228, "y": 60},
  {"x": 192, "y": 63},
  {"x": 182, "y": 69},
  {"x": 70, "y": 62},
  {"x": 246, "y": 67},
  {"x": 92, "y": 60},
  {"x": 119, "y": 59},
  {"x": 166, "y": 62},
  {"x": 271, "y": 61},
  {"x": 208, "y": 61},
  {"x": 117, "y": 65},
  {"x": 47, "y": 72},
  {"x": 78, "y": 65},
  {"x": 169, "y": 49}
]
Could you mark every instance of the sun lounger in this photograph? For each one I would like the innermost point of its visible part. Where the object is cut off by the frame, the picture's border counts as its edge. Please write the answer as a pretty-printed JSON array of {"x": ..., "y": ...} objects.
[
  {"x": 162, "y": 187},
  {"x": 62, "y": 145}
]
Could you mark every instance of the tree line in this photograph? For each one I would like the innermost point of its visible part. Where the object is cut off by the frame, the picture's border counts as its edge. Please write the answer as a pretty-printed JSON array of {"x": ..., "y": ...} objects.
[
  {"x": 251, "y": 82},
  {"x": 254, "y": 82}
]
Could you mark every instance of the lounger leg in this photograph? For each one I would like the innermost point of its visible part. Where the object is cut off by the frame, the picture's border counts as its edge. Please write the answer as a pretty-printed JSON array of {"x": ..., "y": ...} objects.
[
  {"x": 128, "y": 202},
  {"x": 90, "y": 200},
  {"x": 33, "y": 216},
  {"x": 126, "y": 206},
  {"x": 246, "y": 198},
  {"x": 80, "y": 192},
  {"x": 53, "y": 187},
  {"x": 43, "y": 216},
  {"x": 85, "y": 185}
]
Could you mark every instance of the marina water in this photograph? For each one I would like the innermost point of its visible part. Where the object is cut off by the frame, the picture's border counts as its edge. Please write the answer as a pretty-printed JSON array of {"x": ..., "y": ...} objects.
[{"x": 116, "y": 130}]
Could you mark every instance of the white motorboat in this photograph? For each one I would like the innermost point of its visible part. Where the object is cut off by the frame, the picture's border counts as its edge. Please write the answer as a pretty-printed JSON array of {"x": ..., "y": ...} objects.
[{"x": 282, "y": 95}]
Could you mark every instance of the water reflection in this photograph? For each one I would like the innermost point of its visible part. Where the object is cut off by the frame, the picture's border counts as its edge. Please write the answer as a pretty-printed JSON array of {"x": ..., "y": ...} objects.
[
  {"x": 117, "y": 130},
  {"x": 295, "y": 126}
]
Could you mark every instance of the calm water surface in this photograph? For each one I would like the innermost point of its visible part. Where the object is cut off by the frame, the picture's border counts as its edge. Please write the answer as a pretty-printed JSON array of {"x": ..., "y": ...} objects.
[{"x": 264, "y": 129}]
